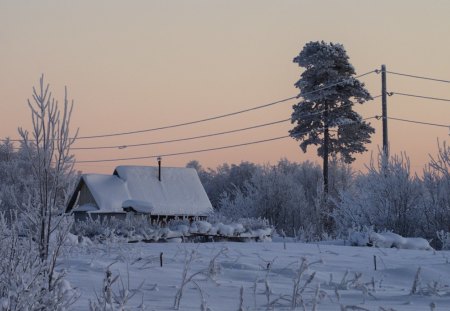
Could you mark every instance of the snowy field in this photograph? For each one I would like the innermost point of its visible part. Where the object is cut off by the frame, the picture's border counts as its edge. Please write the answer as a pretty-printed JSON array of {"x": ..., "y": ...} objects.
[{"x": 335, "y": 278}]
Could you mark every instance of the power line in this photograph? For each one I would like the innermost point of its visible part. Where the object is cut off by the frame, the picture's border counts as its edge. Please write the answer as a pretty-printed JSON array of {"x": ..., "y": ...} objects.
[
  {"x": 123, "y": 146},
  {"x": 223, "y": 115},
  {"x": 218, "y": 116},
  {"x": 417, "y": 77},
  {"x": 199, "y": 150},
  {"x": 181, "y": 139},
  {"x": 179, "y": 124},
  {"x": 413, "y": 121},
  {"x": 420, "y": 96},
  {"x": 186, "y": 152},
  {"x": 188, "y": 123}
]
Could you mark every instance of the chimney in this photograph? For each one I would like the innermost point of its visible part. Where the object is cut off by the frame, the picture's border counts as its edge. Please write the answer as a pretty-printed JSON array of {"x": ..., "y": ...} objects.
[{"x": 159, "y": 168}]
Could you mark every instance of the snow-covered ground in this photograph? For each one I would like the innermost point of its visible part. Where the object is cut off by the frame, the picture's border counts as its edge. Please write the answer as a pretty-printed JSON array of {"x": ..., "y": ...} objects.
[{"x": 344, "y": 276}]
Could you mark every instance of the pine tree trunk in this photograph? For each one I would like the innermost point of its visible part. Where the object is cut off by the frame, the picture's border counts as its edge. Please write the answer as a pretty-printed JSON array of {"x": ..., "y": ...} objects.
[{"x": 326, "y": 139}]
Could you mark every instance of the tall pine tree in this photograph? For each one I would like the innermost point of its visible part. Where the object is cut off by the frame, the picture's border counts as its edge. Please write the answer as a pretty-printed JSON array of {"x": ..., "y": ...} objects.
[{"x": 328, "y": 90}]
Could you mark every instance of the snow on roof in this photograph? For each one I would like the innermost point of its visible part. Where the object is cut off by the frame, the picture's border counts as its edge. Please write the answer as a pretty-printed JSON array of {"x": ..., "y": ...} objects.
[
  {"x": 179, "y": 192},
  {"x": 109, "y": 191}
]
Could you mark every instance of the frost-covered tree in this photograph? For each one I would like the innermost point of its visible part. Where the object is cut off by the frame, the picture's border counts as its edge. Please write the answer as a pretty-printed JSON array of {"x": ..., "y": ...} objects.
[
  {"x": 47, "y": 149},
  {"x": 33, "y": 181},
  {"x": 329, "y": 90},
  {"x": 224, "y": 179}
]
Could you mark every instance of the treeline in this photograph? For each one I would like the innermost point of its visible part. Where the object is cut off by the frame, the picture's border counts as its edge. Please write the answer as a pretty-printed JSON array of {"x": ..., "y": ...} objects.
[{"x": 387, "y": 196}]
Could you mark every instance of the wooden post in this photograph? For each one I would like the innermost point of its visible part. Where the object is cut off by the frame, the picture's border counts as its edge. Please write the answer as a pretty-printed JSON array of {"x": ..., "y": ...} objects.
[
  {"x": 161, "y": 259},
  {"x": 384, "y": 111},
  {"x": 375, "y": 262},
  {"x": 159, "y": 168}
]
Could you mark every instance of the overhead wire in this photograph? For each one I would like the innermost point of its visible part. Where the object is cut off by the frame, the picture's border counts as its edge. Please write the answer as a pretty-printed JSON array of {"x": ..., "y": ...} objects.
[
  {"x": 124, "y": 146},
  {"x": 181, "y": 139},
  {"x": 415, "y": 76},
  {"x": 414, "y": 121},
  {"x": 188, "y": 123},
  {"x": 264, "y": 106},
  {"x": 197, "y": 151},
  {"x": 246, "y": 128},
  {"x": 183, "y": 153},
  {"x": 218, "y": 116},
  {"x": 223, "y": 115},
  {"x": 419, "y": 96}
]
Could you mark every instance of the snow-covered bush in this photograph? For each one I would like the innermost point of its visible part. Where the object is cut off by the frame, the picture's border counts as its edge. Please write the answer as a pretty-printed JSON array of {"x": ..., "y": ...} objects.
[
  {"x": 436, "y": 194},
  {"x": 444, "y": 239},
  {"x": 139, "y": 228},
  {"x": 27, "y": 282},
  {"x": 387, "y": 198},
  {"x": 101, "y": 228},
  {"x": 366, "y": 236},
  {"x": 359, "y": 236}
]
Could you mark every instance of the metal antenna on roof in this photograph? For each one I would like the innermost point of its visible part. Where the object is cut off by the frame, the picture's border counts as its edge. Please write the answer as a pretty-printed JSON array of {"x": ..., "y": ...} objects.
[{"x": 159, "y": 168}]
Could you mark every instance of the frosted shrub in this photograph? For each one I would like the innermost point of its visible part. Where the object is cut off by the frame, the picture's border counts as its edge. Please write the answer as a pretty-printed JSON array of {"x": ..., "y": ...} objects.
[
  {"x": 300, "y": 295},
  {"x": 101, "y": 228},
  {"x": 444, "y": 238},
  {"x": 436, "y": 194},
  {"x": 359, "y": 236},
  {"x": 188, "y": 277},
  {"x": 115, "y": 294},
  {"x": 254, "y": 223},
  {"x": 89, "y": 228},
  {"x": 137, "y": 228},
  {"x": 27, "y": 282},
  {"x": 385, "y": 198}
]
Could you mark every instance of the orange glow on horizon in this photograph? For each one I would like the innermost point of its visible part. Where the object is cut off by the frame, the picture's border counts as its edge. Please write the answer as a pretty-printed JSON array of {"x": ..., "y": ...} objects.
[{"x": 145, "y": 64}]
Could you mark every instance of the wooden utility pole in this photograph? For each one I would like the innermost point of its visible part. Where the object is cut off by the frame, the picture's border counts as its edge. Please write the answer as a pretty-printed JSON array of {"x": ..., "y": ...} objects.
[{"x": 384, "y": 111}]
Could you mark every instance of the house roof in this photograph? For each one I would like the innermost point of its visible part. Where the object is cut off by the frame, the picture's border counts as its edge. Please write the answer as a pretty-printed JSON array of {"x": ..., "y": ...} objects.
[
  {"x": 109, "y": 191},
  {"x": 179, "y": 192}
]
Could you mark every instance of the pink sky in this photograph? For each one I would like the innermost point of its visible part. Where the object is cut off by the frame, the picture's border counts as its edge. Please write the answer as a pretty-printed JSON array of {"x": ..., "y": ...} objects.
[{"x": 132, "y": 65}]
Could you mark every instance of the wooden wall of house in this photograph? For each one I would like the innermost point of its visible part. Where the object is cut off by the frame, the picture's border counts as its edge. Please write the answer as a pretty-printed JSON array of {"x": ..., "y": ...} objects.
[
  {"x": 152, "y": 219},
  {"x": 86, "y": 196},
  {"x": 83, "y": 216}
]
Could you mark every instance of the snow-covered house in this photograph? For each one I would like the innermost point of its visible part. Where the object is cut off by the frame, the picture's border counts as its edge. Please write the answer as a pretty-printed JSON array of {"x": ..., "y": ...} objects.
[{"x": 160, "y": 193}]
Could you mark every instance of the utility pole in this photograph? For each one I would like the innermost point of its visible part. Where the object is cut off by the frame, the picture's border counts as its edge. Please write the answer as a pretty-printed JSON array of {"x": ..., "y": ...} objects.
[{"x": 384, "y": 111}]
